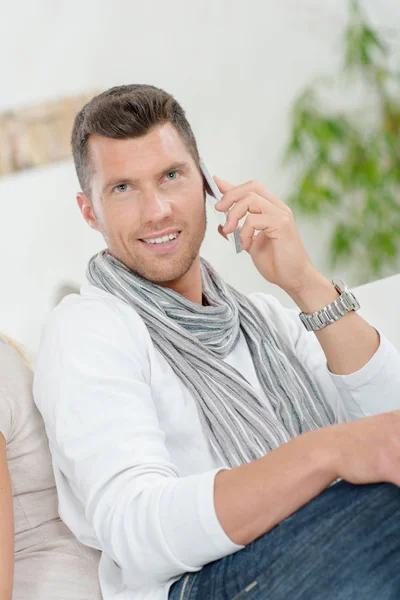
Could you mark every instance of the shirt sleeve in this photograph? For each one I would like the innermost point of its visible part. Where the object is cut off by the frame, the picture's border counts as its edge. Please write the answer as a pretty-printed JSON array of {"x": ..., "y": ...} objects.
[
  {"x": 92, "y": 388},
  {"x": 373, "y": 389}
]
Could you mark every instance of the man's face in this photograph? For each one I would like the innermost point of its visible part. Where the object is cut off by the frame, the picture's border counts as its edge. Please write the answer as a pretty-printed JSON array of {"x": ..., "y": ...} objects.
[{"x": 144, "y": 189}]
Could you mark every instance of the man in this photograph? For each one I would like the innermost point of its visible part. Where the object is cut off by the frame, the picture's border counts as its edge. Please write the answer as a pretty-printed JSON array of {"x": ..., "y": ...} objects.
[{"x": 195, "y": 432}]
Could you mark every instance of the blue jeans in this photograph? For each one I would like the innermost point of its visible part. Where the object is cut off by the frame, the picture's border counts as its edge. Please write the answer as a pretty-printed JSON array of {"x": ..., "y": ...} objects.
[{"x": 343, "y": 545}]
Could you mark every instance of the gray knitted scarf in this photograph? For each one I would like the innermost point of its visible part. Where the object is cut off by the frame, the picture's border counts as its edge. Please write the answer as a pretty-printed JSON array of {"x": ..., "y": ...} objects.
[{"x": 241, "y": 425}]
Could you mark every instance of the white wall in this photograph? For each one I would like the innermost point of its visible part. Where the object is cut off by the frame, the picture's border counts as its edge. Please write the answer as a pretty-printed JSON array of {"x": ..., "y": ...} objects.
[{"x": 235, "y": 67}]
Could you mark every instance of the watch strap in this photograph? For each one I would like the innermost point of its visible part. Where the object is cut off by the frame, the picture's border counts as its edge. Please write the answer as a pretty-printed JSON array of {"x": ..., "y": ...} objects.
[{"x": 333, "y": 311}]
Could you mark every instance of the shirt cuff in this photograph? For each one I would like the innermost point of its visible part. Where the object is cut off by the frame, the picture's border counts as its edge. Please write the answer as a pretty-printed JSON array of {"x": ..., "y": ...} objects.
[
  {"x": 368, "y": 371},
  {"x": 190, "y": 524}
]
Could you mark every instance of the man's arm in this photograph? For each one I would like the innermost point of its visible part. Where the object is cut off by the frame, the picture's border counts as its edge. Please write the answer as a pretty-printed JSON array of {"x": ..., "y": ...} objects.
[
  {"x": 251, "y": 499},
  {"x": 92, "y": 387},
  {"x": 350, "y": 342},
  {"x": 118, "y": 485},
  {"x": 279, "y": 255}
]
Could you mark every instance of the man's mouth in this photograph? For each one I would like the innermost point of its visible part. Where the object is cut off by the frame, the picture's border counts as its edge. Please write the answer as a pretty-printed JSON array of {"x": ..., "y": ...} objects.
[
  {"x": 165, "y": 239},
  {"x": 163, "y": 244}
]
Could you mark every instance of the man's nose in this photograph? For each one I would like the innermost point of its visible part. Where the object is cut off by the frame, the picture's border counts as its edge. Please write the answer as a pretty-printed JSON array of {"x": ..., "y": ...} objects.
[{"x": 156, "y": 206}]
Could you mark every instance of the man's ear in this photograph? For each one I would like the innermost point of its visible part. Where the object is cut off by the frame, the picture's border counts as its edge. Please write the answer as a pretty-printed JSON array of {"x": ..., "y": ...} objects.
[{"x": 86, "y": 208}]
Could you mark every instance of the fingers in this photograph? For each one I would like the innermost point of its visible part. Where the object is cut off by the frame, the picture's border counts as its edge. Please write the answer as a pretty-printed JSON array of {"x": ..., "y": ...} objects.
[
  {"x": 262, "y": 210},
  {"x": 374, "y": 453},
  {"x": 252, "y": 224},
  {"x": 253, "y": 204},
  {"x": 223, "y": 186},
  {"x": 233, "y": 193}
]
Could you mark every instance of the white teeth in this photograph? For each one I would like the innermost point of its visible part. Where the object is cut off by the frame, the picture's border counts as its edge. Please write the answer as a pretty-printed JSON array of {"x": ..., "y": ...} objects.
[{"x": 162, "y": 240}]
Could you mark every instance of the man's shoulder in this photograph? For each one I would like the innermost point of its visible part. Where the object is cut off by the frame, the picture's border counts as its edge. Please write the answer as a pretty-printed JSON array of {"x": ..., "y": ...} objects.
[
  {"x": 91, "y": 304},
  {"x": 92, "y": 313},
  {"x": 88, "y": 338}
]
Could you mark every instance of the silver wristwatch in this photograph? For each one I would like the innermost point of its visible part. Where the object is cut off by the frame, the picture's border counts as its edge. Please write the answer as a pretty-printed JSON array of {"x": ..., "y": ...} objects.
[{"x": 334, "y": 311}]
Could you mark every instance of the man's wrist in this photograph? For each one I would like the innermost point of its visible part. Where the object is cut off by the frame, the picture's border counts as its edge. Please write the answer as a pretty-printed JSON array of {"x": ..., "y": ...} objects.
[
  {"x": 328, "y": 447},
  {"x": 315, "y": 294}
]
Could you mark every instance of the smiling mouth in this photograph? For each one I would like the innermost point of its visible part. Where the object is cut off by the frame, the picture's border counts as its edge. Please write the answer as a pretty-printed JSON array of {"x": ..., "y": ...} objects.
[{"x": 165, "y": 239}]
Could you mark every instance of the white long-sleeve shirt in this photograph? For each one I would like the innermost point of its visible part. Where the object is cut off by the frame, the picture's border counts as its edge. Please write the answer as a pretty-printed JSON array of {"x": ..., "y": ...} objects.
[{"x": 134, "y": 470}]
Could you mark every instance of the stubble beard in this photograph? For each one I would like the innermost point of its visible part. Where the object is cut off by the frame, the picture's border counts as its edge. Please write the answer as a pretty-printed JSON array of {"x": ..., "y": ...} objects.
[{"x": 163, "y": 268}]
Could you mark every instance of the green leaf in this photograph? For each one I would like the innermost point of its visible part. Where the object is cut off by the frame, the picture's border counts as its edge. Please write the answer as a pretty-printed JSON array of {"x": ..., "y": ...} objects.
[
  {"x": 341, "y": 241},
  {"x": 371, "y": 40},
  {"x": 350, "y": 162}
]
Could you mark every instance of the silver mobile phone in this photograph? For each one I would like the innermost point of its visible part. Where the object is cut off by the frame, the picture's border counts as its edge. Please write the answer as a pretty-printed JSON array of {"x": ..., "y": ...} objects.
[{"x": 215, "y": 195}]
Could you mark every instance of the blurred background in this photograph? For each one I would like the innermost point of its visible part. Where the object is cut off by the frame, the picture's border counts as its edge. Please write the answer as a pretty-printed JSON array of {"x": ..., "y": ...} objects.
[{"x": 302, "y": 95}]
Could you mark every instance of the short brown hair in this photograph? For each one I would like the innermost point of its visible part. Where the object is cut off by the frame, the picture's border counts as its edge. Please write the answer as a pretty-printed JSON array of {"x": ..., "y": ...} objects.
[{"x": 122, "y": 112}]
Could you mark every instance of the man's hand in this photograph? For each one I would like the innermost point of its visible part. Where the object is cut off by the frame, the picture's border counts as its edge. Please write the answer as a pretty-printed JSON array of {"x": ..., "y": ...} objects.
[
  {"x": 279, "y": 255},
  {"x": 277, "y": 251},
  {"x": 369, "y": 449}
]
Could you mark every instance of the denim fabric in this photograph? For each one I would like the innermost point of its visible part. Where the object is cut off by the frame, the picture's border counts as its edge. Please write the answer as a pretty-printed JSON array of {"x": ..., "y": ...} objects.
[{"x": 343, "y": 545}]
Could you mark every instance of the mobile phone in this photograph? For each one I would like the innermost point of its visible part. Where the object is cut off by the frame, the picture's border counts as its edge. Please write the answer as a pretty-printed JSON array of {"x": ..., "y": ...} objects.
[{"x": 214, "y": 196}]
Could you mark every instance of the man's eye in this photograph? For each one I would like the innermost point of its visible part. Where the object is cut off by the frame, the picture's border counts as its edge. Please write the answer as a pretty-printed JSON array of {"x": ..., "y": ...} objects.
[
  {"x": 122, "y": 187},
  {"x": 172, "y": 175}
]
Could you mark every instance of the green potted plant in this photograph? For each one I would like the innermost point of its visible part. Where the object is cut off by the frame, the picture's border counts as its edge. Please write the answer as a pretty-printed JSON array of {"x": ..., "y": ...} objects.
[{"x": 349, "y": 162}]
